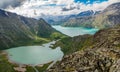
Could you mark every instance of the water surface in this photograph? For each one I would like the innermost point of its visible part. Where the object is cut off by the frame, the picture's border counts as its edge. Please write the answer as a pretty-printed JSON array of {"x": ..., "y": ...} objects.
[
  {"x": 75, "y": 31},
  {"x": 35, "y": 55}
]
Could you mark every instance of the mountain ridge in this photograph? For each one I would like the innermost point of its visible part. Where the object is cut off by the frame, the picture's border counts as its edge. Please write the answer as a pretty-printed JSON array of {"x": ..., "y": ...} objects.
[
  {"x": 16, "y": 30},
  {"x": 107, "y": 18}
]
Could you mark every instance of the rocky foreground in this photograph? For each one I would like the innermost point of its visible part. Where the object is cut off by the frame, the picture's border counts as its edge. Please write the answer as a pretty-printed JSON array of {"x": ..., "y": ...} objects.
[{"x": 102, "y": 56}]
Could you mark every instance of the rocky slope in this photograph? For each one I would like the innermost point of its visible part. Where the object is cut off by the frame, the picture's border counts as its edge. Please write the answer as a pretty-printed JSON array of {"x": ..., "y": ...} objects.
[
  {"x": 80, "y": 21},
  {"x": 107, "y": 18},
  {"x": 102, "y": 56},
  {"x": 84, "y": 19},
  {"x": 17, "y": 30}
]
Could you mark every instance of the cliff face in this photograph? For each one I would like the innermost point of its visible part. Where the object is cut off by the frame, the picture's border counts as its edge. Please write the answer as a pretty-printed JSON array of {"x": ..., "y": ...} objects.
[
  {"x": 17, "y": 30},
  {"x": 102, "y": 56}
]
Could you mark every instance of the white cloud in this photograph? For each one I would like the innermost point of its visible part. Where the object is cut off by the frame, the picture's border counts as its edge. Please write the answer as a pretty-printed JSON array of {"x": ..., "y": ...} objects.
[
  {"x": 6, "y": 3},
  {"x": 36, "y": 8}
]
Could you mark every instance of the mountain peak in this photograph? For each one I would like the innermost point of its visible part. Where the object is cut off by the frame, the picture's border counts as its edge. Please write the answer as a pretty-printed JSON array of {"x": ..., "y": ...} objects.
[
  {"x": 113, "y": 7},
  {"x": 2, "y": 13}
]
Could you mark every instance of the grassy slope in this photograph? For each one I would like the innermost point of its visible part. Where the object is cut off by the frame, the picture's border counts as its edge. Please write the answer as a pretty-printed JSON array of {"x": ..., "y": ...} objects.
[{"x": 70, "y": 45}]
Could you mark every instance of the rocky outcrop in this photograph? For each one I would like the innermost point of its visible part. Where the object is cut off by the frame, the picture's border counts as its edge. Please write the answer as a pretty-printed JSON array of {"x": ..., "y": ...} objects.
[{"x": 102, "y": 56}]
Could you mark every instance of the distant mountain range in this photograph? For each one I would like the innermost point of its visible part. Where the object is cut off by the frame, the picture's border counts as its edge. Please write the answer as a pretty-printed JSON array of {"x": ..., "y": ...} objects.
[
  {"x": 97, "y": 19},
  {"x": 88, "y": 13},
  {"x": 106, "y": 18},
  {"x": 82, "y": 19},
  {"x": 59, "y": 20},
  {"x": 16, "y": 30}
]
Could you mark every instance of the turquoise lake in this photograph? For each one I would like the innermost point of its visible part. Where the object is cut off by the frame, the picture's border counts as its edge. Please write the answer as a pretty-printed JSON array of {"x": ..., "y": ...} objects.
[
  {"x": 35, "y": 55},
  {"x": 75, "y": 31}
]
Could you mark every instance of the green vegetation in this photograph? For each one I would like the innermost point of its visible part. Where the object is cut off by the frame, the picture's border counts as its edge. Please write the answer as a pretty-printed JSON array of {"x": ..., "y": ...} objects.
[
  {"x": 30, "y": 69},
  {"x": 5, "y": 66},
  {"x": 57, "y": 35},
  {"x": 43, "y": 68},
  {"x": 69, "y": 45},
  {"x": 17, "y": 31}
]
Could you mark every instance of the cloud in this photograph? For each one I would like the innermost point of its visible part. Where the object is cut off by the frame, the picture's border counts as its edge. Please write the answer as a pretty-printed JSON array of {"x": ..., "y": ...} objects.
[
  {"x": 68, "y": 9},
  {"x": 13, "y": 3},
  {"x": 41, "y": 8}
]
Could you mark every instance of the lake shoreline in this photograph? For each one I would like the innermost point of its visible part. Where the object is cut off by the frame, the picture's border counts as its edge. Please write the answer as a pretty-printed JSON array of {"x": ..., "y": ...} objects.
[
  {"x": 75, "y": 31},
  {"x": 21, "y": 66},
  {"x": 16, "y": 63}
]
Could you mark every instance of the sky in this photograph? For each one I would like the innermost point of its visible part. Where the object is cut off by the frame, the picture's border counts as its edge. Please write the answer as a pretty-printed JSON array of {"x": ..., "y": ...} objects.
[
  {"x": 13, "y": 3},
  {"x": 90, "y": 1},
  {"x": 39, "y": 8}
]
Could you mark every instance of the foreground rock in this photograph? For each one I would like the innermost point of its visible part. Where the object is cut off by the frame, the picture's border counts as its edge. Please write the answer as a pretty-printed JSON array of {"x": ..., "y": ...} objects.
[{"x": 102, "y": 56}]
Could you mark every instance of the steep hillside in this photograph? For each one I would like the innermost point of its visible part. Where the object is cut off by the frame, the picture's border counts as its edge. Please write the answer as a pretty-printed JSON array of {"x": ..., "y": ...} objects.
[
  {"x": 72, "y": 44},
  {"x": 102, "y": 56},
  {"x": 17, "y": 30},
  {"x": 109, "y": 17}
]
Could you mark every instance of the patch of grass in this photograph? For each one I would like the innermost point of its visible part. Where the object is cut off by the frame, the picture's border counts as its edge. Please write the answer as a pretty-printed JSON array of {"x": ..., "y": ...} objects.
[
  {"x": 5, "y": 66},
  {"x": 30, "y": 69},
  {"x": 43, "y": 68},
  {"x": 57, "y": 35},
  {"x": 118, "y": 45}
]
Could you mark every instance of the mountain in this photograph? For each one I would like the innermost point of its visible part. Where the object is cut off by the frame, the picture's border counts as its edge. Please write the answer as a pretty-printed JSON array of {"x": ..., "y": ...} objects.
[
  {"x": 88, "y": 13},
  {"x": 16, "y": 30},
  {"x": 56, "y": 20},
  {"x": 84, "y": 19},
  {"x": 109, "y": 17},
  {"x": 101, "y": 53},
  {"x": 59, "y": 20},
  {"x": 80, "y": 21}
]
